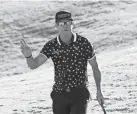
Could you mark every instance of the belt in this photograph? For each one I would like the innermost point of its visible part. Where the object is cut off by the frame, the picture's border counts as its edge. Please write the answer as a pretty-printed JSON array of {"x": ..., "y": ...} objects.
[{"x": 70, "y": 89}]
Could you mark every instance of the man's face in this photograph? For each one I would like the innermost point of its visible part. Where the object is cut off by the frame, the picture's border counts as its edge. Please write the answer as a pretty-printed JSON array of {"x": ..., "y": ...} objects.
[{"x": 64, "y": 25}]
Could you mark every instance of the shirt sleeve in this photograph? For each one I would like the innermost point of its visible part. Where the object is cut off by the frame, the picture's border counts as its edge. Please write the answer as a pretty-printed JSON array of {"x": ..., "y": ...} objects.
[
  {"x": 46, "y": 50},
  {"x": 89, "y": 50}
]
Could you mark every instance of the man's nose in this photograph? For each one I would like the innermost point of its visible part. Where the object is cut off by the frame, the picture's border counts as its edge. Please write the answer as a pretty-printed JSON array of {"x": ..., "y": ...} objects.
[{"x": 65, "y": 26}]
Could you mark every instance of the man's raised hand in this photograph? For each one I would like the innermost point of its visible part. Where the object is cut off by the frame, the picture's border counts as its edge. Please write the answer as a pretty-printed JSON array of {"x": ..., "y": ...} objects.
[{"x": 25, "y": 49}]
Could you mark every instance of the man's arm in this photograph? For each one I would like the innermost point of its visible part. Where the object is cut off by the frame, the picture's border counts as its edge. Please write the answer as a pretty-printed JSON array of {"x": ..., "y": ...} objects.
[
  {"x": 34, "y": 63},
  {"x": 97, "y": 77}
]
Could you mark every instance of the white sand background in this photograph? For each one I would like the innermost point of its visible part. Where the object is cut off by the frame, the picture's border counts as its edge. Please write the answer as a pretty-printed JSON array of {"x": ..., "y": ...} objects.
[{"x": 110, "y": 25}]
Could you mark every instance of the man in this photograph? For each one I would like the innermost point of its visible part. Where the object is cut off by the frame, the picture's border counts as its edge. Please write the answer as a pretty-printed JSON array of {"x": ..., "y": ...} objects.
[{"x": 70, "y": 53}]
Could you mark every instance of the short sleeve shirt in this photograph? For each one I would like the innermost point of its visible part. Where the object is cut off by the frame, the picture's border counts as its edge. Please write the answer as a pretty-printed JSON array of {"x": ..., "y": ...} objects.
[{"x": 70, "y": 61}]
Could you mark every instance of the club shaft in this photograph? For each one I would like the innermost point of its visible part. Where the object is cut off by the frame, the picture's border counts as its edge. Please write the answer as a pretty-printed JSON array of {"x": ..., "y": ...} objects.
[{"x": 103, "y": 109}]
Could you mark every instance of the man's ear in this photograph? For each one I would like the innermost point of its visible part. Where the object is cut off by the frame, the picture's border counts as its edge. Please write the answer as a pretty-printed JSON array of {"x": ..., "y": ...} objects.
[
  {"x": 73, "y": 25},
  {"x": 56, "y": 25}
]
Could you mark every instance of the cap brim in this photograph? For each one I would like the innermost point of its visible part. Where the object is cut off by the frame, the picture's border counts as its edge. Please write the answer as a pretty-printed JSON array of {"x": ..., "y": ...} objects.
[{"x": 64, "y": 19}]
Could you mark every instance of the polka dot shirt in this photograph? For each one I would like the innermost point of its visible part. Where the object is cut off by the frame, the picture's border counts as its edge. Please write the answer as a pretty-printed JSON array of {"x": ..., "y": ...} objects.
[{"x": 70, "y": 61}]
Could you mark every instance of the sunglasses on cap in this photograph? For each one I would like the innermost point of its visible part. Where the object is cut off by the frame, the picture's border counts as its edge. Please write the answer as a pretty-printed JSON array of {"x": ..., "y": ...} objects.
[{"x": 64, "y": 23}]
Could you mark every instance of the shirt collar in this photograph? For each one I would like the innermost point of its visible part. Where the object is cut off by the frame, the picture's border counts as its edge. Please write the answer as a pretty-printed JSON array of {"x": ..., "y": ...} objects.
[{"x": 74, "y": 39}]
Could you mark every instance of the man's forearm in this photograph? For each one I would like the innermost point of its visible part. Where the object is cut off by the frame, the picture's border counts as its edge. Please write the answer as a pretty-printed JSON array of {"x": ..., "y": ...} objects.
[
  {"x": 97, "y": 77},
  {"x": 31, "y": 63}
]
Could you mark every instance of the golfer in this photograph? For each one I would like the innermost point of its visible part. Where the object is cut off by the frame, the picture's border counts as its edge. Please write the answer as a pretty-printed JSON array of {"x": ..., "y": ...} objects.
[{"x": 70, "y": 53}]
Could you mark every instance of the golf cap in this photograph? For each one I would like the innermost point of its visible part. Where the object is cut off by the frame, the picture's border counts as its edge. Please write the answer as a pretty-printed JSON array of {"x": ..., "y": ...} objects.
[{"x": 61, "y": 15}]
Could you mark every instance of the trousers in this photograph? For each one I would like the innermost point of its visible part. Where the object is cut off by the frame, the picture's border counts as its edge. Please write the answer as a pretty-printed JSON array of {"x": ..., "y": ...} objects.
[{"x": 73, "y": 102}]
